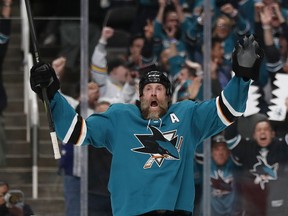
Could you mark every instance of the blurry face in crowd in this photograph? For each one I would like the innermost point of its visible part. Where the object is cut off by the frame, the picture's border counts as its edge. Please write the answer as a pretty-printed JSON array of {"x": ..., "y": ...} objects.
[
  {"x": 263, "y": 133},
  {"x": 136, "y": 47},
  {"x": 154, "y": 101},
  {"x": 220, "y": 153},
  {"x": 3, "y": 191},
  {"x": 164, "y": 56},
  {"x": 183, "y": 75},
  {"x": 120, "y": 74},
  {"x": 275, "y": 22},
  {"x": 171, "y": 20},
  {"x": 217, "y": 52},
  {"x": 222, "y": 28}
]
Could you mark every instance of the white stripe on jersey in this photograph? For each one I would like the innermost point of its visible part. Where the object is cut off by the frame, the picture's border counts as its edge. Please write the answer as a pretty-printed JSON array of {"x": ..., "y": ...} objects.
[
  {"x": 229, "y": 107},
  {"x": 70, "y": 130}
]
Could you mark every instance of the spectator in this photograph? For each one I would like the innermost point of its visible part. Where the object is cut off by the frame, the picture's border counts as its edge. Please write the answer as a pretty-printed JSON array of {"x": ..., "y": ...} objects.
[
  {"x": 130, "y": 89},
  {"x": 271, "y": 29},
  {"x": 146, "y": 10},
  {"x": 18, "y": 208},
  {"x": 188, "y": 82},
  {"x": 223, "y": 175},
  {"x": 135, "y": 50},
  {"x": 228, "y": 26},
  {"x": 140, "y": 51},
  {"x": 270, "y": 18},
  {"x": 228, "y": 30},
  {"x": 220, "y": 67},
  {"x": 169, "y": 27},
  {"x": 110, "y": 76},
  {"x": 263, "y": 177}
]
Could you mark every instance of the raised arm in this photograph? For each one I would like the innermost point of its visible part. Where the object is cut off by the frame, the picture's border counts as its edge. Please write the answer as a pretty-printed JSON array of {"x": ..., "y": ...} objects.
[
  {"x": 231, "y": 103},
  {"x": 99, "y": 59}
]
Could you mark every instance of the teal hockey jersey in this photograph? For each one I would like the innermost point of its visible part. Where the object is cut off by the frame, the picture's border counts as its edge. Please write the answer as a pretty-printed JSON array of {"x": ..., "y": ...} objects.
[{"x": 152, "y": 164}]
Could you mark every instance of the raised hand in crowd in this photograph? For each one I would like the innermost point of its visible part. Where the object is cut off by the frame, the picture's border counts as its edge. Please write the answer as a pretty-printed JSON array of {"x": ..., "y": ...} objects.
[
  {"x": 59, "y": 66},
  {"x": 229, "y": 10},
  {"x": 107, "y": 32}
]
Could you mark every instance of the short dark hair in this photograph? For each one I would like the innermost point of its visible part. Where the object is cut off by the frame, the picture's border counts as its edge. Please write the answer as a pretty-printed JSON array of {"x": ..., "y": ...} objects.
[
  {"x": 115, "y": 62},
  {"x": 263, "y": 120},
  {"x": 135, "y": 37},
  {"x": 3, "y": 183}
]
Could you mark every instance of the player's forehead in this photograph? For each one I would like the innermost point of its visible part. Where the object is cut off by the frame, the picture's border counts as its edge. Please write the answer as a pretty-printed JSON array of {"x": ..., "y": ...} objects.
[{"x": 153, "y": 85}]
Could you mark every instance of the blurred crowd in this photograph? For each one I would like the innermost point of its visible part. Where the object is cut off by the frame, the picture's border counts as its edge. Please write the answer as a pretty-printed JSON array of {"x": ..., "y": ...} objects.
[{"x": 168, "y": 35}]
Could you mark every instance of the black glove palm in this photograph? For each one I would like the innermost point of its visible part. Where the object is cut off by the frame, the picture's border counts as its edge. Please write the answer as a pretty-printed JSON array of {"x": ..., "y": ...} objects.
[
  {"x": 246, "y": 58},
  {"x": 42, "y": 75}
]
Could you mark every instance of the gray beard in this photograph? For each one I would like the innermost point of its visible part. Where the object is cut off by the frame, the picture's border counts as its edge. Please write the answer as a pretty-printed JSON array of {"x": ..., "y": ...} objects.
[{"x": 154, "y": 115}]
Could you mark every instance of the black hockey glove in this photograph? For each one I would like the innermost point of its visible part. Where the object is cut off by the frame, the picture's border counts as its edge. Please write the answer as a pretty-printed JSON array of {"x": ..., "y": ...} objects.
[
  {"x": 246, "y": 58},
  {"x": 43, "y": 75}
]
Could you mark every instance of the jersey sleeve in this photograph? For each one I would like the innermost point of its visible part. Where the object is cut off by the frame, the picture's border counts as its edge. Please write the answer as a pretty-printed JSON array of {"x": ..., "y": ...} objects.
[
  {"x": 213, "y": 116},
  {"x": 72, "y": 128},
  {"x": 231, "y": 104}
]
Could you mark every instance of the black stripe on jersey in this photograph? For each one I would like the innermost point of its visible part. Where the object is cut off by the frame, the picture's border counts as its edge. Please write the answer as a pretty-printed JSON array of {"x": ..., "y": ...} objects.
[
  {"x": 76, "y": 131},
  {"x": 229, "y": 116}
]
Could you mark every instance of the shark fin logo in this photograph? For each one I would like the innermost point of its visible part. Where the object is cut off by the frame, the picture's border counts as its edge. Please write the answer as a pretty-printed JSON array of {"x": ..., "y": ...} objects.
[
  {"x": 220, "y": 184},
  {"x": 159, "y": 146},
  {"x": 264, "y": 172}
]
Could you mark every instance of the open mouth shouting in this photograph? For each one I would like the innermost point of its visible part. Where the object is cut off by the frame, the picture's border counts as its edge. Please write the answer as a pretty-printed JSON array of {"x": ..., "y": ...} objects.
[{"x": 154, "y": 104}]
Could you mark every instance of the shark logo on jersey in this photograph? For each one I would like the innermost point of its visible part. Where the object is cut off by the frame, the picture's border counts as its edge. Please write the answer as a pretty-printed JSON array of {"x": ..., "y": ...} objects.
[
  {"x": 220, "y": 184},
  {"x": 159, "y": 146},
  {"x": 264, "y": 172}
]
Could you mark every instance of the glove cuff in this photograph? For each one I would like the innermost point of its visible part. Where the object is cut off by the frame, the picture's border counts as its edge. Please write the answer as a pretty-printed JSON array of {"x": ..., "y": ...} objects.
[{"x": 244, "y": 72}]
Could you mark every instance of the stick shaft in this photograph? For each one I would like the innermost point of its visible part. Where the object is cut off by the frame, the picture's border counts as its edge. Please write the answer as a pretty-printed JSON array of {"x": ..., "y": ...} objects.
[
  {"x": 32, "y": 32},
  {"x": 44, "y": 89}
]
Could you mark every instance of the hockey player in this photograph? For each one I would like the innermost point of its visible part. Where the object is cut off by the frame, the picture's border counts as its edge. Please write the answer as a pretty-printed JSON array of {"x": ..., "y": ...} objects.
[{"x": 153, "y": 144}]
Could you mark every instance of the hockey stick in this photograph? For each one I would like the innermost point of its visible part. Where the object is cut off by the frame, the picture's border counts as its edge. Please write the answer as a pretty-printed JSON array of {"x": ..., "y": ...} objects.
[{"x": 46, "y": 102}]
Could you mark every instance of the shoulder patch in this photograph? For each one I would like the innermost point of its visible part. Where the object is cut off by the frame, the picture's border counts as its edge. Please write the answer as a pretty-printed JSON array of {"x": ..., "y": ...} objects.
[{"x": 174, "y": 118}]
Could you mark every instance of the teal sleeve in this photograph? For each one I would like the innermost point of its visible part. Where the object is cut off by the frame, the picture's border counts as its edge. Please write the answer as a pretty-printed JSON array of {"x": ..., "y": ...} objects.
[
  {"x": 213, "y": 116},
  {"x": 72, "y": 128},
  {"x": 62, "y": 114}
]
